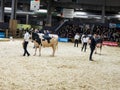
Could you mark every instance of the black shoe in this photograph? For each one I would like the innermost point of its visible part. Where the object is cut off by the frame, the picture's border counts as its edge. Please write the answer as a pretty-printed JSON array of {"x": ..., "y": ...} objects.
[
  {"x": 91, "y": 59},
  {"x": 28, "y": 54},
  {"x": 23, "y": 54}
]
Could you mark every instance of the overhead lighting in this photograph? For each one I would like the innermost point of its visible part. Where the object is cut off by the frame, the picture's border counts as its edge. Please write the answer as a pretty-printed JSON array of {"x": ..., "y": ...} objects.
[
  {"x": 81, "y": 9},
  {"x": 81, "y": 16},
  {"x": 77, "y": 9},
  {"x": 97, "y": 17},
  {"x": 42, "y": 11},
  {"x": 34, "y": 16},
  {"x": 117, "y": 16},
  {"x": 8, "y": 8},
  {"x": 80, "y": 13}
]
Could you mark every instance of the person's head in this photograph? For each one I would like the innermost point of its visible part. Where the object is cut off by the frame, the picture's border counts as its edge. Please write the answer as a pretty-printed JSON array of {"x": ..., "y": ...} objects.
[
  {"x": 36, "y": 30},
  {"x": 26, "y": 31},
  {"x": 95, "y": 35},
  {"x": 98, "y": 36},
  {"x": 85, "y": 36},
  {"x": 77, "y": 33},
  {"x": 44, "y": 31}
]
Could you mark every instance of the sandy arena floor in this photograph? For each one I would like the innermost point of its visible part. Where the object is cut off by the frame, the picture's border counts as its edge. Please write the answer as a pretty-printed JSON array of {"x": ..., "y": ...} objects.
[{"x": 70, "y": 69}]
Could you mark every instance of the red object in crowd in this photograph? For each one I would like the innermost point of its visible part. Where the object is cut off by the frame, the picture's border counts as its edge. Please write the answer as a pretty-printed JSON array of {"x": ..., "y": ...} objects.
[{"x": 109, "y": 43}]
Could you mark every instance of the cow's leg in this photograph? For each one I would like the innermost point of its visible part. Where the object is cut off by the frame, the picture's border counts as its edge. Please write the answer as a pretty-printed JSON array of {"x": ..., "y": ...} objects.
[
  {"x": 95, "y": 50},
  {"x": 54, "y": 48},
  {"x": 35, "y": 51},
  {"x": 39, "y": 50},
  {"x": 100, "y": 48}
]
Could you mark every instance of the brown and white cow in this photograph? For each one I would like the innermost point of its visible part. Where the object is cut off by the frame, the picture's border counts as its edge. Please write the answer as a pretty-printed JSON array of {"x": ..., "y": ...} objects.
[
  {"x": 99, "y": 44},
  {"x": 44, "y": 43}
]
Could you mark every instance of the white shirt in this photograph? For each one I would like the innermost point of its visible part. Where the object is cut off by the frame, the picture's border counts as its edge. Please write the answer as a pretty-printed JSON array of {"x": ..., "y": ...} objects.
[
  {"x": 26, "y": 36},
  {"x": 85, "y": 39},
  {"x": 76, "y": 37}
]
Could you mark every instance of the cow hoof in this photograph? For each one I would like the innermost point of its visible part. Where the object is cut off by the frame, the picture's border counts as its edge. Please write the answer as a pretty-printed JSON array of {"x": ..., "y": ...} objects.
[{"x": 52, "y": 55}]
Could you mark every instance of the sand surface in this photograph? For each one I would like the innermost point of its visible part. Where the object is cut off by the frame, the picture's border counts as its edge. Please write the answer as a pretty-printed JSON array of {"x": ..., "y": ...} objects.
[{"x": 70, "y": 69}]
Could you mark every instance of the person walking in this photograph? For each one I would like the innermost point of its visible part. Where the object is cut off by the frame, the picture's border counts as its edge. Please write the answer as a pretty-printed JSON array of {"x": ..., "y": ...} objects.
[
  {"x": 92, "y": 43},
  {"x": 25, "y": 43},
  {"x": 76, "y": 39}
]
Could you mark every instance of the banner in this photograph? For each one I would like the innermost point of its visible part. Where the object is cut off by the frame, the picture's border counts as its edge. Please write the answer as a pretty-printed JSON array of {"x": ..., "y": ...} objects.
[
  {"x": 118, "y": 25},
  {"x": 2, "y": 34},
  {"x": 112, "y": 25},
  {"x": 23, "y": 26},
  {"x": 34, "y": 5},
  {"x": 68, "y": 13},
  {"x": 110, "y": 43}
]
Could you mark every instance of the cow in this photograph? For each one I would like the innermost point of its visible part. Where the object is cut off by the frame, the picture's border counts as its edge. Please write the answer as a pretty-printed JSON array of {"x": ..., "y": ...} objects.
[
  {"x": 99, "y": 41},
  {"x": 43, "y": 42}
]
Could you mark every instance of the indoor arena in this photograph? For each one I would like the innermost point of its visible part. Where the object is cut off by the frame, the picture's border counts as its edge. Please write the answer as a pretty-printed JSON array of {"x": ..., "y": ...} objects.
[
  {"x": 69, "y": 69},
  {"x": 59, "y": 44}
]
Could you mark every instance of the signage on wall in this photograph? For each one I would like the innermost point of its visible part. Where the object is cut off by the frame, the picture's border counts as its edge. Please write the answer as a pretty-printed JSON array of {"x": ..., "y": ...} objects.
[
  {"x": 34, "y": 5},
  {"x": 118, "y": 25},
  {"x": 112, "y": 25},
  {"x": 68, "y": 13}
]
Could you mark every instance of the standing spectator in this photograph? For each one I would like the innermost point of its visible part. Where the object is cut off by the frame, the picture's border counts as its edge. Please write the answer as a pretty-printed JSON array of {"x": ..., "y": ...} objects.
[
  {"x": 76, "y": 39},
  {"x": 25, "y": 43},
  {"x": 84, "y": 40},
  {"x": 92, "y": 46}
]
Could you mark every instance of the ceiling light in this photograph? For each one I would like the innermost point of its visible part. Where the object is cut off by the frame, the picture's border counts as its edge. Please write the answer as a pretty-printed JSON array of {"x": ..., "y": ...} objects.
[
  {"x": 117, "y": 16},
  {"x": 8, "y": 8},
  {"x": 42, "y": 11},
  {"x": 80, "y": 13},
  {"x": 81, "y": 9},
  {"x": 81, "y": 16}
]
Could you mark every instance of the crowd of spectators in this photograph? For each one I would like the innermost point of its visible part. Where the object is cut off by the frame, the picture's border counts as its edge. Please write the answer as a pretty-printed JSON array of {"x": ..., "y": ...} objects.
[
  {"x": 109, "y": 34},
  {"x": 70, "y": 30}
]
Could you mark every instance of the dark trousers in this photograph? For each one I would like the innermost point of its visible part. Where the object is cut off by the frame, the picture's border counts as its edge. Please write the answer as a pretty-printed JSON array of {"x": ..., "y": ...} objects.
[
  {"x": 47, "y": 38},
  {"x": 91, "y": 52},
  {"x": 25, "y": 49},
  {"x": 84, "y": 46},
  {"x": 76, "y": 43}
]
